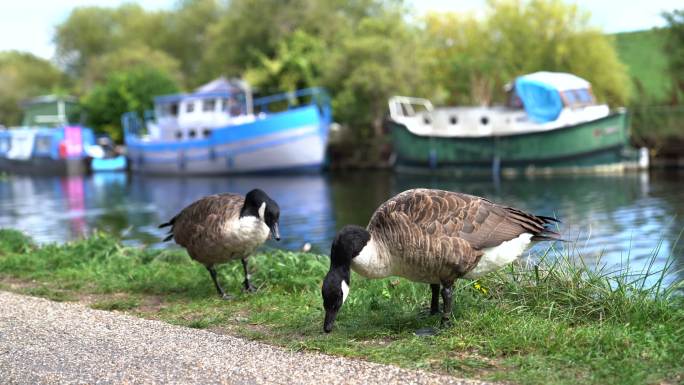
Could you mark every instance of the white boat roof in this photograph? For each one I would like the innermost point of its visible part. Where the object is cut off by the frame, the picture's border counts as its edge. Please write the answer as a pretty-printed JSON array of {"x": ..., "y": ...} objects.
[
  {"x": 221, "y": 84},
  {"x": 559, "y": 80},
  {"x": 215, "y": 88}
]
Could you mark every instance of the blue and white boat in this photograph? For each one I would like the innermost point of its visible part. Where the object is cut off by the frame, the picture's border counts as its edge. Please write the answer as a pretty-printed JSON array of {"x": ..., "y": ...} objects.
[
  {"x": 221, "y": 129},
  {"x": 49, "y": 141}
]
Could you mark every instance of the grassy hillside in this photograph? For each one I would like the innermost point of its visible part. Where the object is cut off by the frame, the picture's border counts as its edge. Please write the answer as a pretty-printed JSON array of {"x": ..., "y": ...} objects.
[{"x": 643, "y": 53}]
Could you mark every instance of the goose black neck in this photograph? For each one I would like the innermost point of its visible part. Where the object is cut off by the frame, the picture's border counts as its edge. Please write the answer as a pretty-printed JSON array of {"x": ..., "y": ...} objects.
[{"x": 340, "y": 271}]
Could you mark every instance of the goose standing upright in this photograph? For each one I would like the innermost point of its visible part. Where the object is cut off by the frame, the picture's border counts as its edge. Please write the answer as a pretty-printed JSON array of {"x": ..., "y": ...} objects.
[
  {"x": 222, "y": 227},
  {"x": 430, "y": 236}
]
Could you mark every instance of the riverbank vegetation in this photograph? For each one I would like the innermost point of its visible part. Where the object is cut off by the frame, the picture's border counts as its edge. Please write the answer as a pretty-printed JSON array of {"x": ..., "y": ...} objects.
[{"x": 553, "y": 322}]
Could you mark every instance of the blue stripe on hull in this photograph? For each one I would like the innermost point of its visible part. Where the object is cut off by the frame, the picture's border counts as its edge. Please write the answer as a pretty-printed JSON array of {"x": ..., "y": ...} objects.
[
  {"x": 290, "y": 141},
  {"x": 272, "y": 124}
]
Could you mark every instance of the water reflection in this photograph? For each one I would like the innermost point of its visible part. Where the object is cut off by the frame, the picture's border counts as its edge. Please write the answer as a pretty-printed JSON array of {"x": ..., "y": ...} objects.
[{"x": 609, "y": 216}]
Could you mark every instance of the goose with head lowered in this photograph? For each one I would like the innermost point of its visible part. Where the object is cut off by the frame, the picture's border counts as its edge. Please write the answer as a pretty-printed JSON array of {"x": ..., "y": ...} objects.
[
  {"x": 223, "y": 227},
  {"x": 430, "y": 236}
]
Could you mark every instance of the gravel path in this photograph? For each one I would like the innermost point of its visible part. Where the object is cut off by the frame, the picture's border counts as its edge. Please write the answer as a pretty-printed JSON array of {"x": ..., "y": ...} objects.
[{"x": 45, "y": 342}]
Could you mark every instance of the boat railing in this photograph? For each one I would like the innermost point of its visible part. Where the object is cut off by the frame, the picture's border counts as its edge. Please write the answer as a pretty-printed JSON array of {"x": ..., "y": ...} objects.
[
  {"x": 133, "y": 125},
  {"x": 289, "y": 100},
  {"x": 408, "y": 107}
]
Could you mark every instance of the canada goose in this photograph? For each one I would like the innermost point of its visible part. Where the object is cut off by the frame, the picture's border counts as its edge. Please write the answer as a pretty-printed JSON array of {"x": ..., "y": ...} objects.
[
  {"x": 222, "y": 227},
  {"x": 430, "y": 236}
]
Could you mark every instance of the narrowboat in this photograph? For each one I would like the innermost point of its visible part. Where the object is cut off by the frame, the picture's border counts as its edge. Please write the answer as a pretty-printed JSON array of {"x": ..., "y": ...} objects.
[{"x": 49, "y": 140}]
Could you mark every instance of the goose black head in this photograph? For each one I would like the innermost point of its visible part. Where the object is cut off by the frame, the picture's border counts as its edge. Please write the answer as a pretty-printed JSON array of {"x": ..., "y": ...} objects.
[
  {"x": 347, "y": 245},
  {"x": 259, "y": 204}
]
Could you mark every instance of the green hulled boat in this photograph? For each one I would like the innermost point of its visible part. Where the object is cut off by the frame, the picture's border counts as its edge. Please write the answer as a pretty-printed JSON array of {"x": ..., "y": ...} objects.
[{"x": 550, "y": 124}]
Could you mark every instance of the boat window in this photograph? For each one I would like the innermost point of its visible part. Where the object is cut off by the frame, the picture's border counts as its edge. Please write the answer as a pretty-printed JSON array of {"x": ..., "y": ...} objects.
[
  {"x": 206, "y": 132},
  {"x": 484, "y": 120},
  {"x": 192, "y": 133},
  {"x": 585, "y": 96},
  {"x": 190, "y": 107},
  {"x": 570, "y": 98},
  {"x": 426, "y": 120},
  {"x": 179, "y": 135},
  {"x": 236, "y": 105},
  {"x": 42, "y": 144},
  {"x": 5, "y": 144},
  {"x": 405, "y": 111},
  {"x": 579, "y": 97},
  {"x": 453, "y": 119},
  {"x": 224, "y": 104},
  {"x": 514, "y": 100},
  {"x": 173, "y": 108},
  {"x": 208, "y": 105}
]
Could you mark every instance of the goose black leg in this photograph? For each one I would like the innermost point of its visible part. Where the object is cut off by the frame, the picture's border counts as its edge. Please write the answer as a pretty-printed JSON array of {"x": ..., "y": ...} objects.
[
  {"x": 434, "y": 304},
  {"x": 221, "y": 293},
  {"x": 248, "y": 285},
  {"x": 434, "y": 309},
  {"x": 447, "y": 291}
]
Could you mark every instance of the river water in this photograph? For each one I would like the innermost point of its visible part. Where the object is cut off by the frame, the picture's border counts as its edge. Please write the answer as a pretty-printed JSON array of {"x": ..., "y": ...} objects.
[{"x": 615, "y": 218}]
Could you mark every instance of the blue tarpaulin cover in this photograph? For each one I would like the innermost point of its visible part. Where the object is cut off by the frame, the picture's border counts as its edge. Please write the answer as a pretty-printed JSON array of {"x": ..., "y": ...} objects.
[{"x": 541, "y": 100}]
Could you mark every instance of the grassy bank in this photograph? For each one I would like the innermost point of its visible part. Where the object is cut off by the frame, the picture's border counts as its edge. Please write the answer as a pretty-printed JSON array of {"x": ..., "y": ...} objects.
[
  {"x": 554, "y": 323},
  {"x": 643, "y": 52}
]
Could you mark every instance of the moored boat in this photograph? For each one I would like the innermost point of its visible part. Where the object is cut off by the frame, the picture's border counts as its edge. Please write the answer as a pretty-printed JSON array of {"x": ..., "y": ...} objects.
[
  {"x": 221, "y": 129},
  {"x": 48, "y": 142},
  {"x": 550, "y": 124}
]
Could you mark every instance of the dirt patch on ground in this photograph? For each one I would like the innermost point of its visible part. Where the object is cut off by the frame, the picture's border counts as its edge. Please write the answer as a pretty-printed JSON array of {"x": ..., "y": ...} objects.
[
  {"x": 16, "y": 284},
  {"x": 145, "y": 305},
  {"x": 151, "y": 304},
  {"x": 239, "y": 325},
  {"x": 466, "y": 363}
]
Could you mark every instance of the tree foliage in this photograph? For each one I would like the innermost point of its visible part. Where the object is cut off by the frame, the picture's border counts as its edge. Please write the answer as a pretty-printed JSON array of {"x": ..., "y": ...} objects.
[
  {"x": 379, "y": 58},
  {"x": 23, "y": 76},
  {"x": 674, "y": 46},
  {"x": 123, "y": 91},
  {"x": 474, "y": 57},
  {"x": 296, "y": 64}
]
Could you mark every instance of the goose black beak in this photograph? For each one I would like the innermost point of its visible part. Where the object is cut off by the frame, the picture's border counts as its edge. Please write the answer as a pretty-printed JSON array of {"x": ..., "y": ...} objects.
[{"x": 275, "y": 232}]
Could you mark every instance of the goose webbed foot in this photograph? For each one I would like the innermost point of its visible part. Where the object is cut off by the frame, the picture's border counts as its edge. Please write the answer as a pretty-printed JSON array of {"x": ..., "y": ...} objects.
[
  {"x": 248, "y": 287},
  {"x": 226, "y": 297}
]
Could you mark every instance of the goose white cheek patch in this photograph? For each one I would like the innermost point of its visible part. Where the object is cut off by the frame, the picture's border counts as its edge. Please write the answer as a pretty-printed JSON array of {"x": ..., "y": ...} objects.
[
  {"x": 345, "y": 291},
  {"x": 262, "y": 210}
]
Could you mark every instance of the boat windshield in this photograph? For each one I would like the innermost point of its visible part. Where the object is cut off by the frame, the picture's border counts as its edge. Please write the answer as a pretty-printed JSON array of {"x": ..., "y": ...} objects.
[{"x": 235, "y": 104}]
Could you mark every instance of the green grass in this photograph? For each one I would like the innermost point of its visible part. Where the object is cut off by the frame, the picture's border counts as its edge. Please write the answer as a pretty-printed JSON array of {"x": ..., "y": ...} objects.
[
  {"x": 644, "y": 54},
  {"x": 557, "y": 322}
]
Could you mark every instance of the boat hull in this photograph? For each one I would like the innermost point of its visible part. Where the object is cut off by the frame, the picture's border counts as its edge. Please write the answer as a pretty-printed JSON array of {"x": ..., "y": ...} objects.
[
  {"x": 45, "y": 166},
  {"x": 288, "y": 141},
  {"x": 594, "y": 146}
]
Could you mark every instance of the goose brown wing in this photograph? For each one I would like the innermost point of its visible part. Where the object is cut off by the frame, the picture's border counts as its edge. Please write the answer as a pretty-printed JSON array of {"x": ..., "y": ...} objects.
[
  {"x": 449, "y": 225},
  {"x": 422, "y": 227},
  {"x": 205, "y": 217}
]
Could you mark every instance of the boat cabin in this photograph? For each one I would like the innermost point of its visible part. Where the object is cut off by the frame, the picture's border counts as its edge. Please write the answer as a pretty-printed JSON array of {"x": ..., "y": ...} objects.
[
  {"x": 51, "y": 111},
  {"x": 536, "y": 102},
  {"x": 220, "y": 103},
  {"x": 49, "y": 129}
]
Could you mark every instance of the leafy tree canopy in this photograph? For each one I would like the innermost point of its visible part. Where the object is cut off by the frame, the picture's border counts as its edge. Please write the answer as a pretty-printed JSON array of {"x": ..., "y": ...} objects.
[
  {"x": 674, "y": 47},
  {"x": 472, "y": 58},
  {"x": 23, "y": 76},
  {"x": 123, "y": 91}
]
